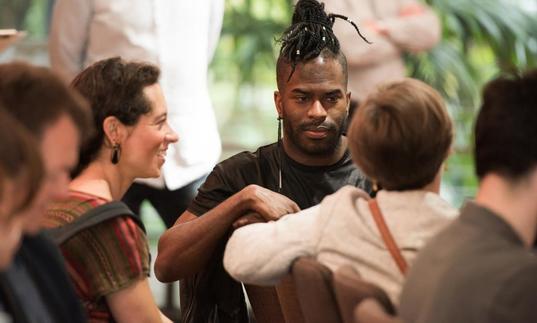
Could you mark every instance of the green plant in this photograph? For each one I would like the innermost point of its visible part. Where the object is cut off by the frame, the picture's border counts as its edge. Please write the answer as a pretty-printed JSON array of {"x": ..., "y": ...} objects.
[{"x": 480, "y": 39}]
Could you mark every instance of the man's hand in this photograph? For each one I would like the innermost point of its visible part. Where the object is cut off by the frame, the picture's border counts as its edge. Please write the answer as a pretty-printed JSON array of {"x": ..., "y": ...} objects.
[
  {"x": 266, "y": 203},
  {"x": 249, "y": 218}
]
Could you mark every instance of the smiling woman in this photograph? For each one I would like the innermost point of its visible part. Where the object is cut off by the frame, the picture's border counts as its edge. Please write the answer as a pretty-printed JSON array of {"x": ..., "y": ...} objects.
[{"x": 131, "y": 139}]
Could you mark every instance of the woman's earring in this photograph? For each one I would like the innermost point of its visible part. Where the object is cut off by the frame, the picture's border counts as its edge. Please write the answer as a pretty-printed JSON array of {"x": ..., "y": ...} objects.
[
  {"x": 116, "y": 153},
  {"x": 375, "y": 186}
]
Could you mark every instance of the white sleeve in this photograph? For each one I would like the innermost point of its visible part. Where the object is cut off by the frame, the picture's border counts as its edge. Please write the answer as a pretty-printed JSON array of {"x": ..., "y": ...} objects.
[
  {"x": 216, "y": 19},
  {"x": 69, "y": 36},
  {"x": 263, "y": 253}
]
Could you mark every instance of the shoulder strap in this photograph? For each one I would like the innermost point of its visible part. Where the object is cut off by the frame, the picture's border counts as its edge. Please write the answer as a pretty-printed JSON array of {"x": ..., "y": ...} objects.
[
  {"x": 387, "y": 236},
  {"x": 91, "y": 218}
]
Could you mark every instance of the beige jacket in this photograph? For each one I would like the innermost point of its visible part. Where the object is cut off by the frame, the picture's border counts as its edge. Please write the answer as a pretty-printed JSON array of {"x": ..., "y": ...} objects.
[
  {"x": 410, "y": 27},
  {"x": 340, "y": 231}
]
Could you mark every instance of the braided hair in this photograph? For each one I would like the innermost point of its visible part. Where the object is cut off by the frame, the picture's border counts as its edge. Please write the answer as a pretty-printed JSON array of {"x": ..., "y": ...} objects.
[{"x": 310, "y": 33}]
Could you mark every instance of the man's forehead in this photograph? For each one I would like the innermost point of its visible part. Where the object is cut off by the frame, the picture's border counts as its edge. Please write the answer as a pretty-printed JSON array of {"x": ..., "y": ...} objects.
[
  {"x": 321, "y": 88},
  {"x": 318, "y": 71}
]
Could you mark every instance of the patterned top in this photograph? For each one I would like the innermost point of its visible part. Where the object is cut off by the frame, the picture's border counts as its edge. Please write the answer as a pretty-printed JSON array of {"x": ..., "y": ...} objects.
[{"x": 102, "y": 259}]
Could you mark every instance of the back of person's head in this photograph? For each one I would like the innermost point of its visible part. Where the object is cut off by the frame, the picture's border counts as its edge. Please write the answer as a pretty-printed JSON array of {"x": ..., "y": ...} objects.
[
  {"x": 309, "y": 36},
  {"x": 37, "y": 98},
  {"x": 506, "y": 127},
  {"x": 401, "y": 135},
  {"x": 113, "y": 87},
  {"x": 20, "y": 163}
]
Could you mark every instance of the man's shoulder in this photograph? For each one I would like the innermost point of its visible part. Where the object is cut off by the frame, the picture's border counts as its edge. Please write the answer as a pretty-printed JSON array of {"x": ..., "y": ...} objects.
[
  {"x": 247, "y": 159},
  {"x": 249, "y": 156},
  {"x": 232, "y": 175}
]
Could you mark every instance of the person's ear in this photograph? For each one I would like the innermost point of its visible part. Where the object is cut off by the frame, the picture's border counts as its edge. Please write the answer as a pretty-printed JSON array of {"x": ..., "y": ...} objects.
[
  {"x": 278, "y": 103},
  {"x": 114, "y": 130},
  {"x": 533, "y": 180}
]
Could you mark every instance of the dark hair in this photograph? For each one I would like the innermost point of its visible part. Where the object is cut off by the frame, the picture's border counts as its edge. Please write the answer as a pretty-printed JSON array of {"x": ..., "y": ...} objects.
[
  {"x": 309, "y": 36},
  {"x": 506, "y": 127},
  {"x": 113, "y": 87},
  {"x": 401, "y": 134},
  {"x": 20, "y": 158},
  {"x": 37, "y": 97}
]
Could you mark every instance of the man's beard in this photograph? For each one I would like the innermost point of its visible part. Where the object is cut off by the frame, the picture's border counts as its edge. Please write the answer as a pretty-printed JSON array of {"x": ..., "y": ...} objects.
[{"x": 325, "y": 146}]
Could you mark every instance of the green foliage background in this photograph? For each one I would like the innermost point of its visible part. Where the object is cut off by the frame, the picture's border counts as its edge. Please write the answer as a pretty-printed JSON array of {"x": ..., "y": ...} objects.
[{"x": 481, "y": 39}]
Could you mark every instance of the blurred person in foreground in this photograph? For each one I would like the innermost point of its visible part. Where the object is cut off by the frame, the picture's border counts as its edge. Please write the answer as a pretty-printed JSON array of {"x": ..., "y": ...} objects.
[
  {"x": 59, "y": 119},
  {"x": 481, "y": 268},
  {"x": 21, "y": 173}
]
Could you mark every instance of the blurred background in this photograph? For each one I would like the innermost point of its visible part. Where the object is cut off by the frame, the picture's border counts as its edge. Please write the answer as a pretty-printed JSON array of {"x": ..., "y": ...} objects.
[{"x": 481, "y": 38}]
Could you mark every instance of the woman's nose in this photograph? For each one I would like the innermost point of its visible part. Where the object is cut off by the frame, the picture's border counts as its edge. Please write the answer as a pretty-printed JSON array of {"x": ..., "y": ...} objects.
[{"x": 171, "y": 136}]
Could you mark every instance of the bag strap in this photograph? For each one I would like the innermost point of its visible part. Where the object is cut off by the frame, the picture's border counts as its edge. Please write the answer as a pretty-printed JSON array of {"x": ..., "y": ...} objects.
[
  {"x": 387, "y": 236},
  {"x": 91, "y": 218}
]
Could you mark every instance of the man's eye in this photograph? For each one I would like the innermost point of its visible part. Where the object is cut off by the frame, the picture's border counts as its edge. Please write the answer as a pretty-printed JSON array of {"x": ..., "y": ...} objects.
[
  {"x": 301, "y": 98},
  {"x": 332, "y": 99}
]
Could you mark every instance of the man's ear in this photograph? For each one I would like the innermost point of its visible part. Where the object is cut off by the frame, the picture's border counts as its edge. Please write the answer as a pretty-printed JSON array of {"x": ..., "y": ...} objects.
[
  {"x": 114, "y": 130},
  {"x": 348, "y": 101},
  {"x": 278, "y": 103},
  {"x": 533, "y": 180}
]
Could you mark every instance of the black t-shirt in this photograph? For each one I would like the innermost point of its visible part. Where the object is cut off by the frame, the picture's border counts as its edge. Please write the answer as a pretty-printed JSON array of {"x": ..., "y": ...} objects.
[
  {"x": 37, "y": 287},
  {"x": 305, "y": 185},
  {"x": 213, "y": 290}
]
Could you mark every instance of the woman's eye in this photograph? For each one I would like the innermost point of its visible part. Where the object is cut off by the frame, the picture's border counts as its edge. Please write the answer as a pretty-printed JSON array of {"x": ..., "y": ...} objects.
[{"x": 161, "y": 124}]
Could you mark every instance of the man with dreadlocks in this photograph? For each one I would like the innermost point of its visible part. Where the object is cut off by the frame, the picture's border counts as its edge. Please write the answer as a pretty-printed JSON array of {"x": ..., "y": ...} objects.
[{"x": 309, "y": 163}]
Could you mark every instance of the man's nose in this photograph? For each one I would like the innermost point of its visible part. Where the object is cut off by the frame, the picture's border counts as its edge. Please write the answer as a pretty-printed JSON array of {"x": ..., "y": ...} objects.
[{"x": 317, "y": 111}]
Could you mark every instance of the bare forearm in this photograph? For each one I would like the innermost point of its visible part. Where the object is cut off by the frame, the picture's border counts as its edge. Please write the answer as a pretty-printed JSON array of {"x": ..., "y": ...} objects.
[{"x": 185, "y": 248}]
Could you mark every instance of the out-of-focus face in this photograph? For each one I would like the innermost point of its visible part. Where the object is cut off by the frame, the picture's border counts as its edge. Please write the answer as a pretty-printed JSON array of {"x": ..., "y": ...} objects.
[
  {"x": 59, "y": 148},
  {"x": 313, "y": 105},
  {"x": 11, "y": 225},
  {"x": 143, "y": 152},
  {"x": 7, "y": 194}
]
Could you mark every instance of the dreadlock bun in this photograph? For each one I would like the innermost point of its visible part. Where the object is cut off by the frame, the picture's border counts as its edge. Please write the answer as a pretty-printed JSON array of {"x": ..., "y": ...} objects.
[
  {"x": 310, "y": 33},
  {"x": 310, "y": 11}
]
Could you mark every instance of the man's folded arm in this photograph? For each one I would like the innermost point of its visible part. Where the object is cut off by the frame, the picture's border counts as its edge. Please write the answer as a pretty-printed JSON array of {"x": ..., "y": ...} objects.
[
  {"x": 262, "y": 253},
  {"x": 184, "y": 249}
]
